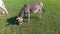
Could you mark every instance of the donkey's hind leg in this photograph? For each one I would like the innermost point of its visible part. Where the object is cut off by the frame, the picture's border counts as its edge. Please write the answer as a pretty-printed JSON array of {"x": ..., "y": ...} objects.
[{"x": 39, "y": 13}]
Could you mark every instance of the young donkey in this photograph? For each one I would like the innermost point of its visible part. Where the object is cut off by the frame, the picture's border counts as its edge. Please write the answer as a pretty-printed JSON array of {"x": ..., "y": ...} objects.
[{"x": 33, "y": 7}]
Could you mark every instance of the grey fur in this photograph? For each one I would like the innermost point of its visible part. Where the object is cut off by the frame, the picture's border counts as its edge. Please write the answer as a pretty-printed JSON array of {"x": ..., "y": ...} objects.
[{"x": 33, "y": 7}]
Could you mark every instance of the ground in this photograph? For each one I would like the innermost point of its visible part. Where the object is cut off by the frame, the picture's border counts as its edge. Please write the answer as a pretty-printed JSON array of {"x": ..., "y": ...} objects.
[{"x": 48, "y": 24}]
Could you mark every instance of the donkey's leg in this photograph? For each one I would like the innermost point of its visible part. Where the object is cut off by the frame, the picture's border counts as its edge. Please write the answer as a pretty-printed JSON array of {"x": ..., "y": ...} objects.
[
  {"x": 28, "y": 17},
  {"x": 21, "y": 23},
  {"x": 39, "y": 12}
]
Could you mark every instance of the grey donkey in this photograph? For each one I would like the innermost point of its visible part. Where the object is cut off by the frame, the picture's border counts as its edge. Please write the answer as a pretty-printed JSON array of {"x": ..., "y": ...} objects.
[{"x": 33, "y": 7}]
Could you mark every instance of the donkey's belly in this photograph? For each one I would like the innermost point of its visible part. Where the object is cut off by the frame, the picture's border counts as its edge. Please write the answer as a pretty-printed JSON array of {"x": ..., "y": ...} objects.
[{"x": 34, "y": 10}]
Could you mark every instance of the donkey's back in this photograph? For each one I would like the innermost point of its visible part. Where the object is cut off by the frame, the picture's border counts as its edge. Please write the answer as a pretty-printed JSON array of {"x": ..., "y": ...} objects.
[{"x": 33, "y": 7}]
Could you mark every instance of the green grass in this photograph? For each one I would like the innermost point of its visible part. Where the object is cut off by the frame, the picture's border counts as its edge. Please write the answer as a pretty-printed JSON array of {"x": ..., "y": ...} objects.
[{"x": 48, "y": 24}]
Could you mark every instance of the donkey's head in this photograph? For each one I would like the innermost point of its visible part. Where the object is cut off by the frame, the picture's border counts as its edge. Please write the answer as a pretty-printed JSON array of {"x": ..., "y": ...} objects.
[{"x": 19, "y": 19}]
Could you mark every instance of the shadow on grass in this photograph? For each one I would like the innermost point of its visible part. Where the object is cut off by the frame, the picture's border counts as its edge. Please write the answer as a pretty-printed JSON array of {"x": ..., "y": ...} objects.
[{"x": 12, "y": 21}]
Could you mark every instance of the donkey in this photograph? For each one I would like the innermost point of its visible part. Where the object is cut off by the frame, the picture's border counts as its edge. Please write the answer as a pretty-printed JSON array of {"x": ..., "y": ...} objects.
[
  {"x": 3, "y": 10},
  {"x": 33, "y": 7}
]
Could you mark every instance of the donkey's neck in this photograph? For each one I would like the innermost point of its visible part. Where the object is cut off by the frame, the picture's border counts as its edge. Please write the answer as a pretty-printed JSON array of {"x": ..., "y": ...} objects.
[{"x": 21, "y": 14}]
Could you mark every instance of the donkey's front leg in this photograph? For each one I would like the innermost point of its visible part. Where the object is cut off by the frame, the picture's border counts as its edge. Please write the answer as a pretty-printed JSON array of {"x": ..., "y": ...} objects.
[{"x": 28, "y": 17}]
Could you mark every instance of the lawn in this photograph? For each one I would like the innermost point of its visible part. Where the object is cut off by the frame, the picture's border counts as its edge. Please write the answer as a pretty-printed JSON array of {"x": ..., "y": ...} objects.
[{"x": 48, "y": 24}]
